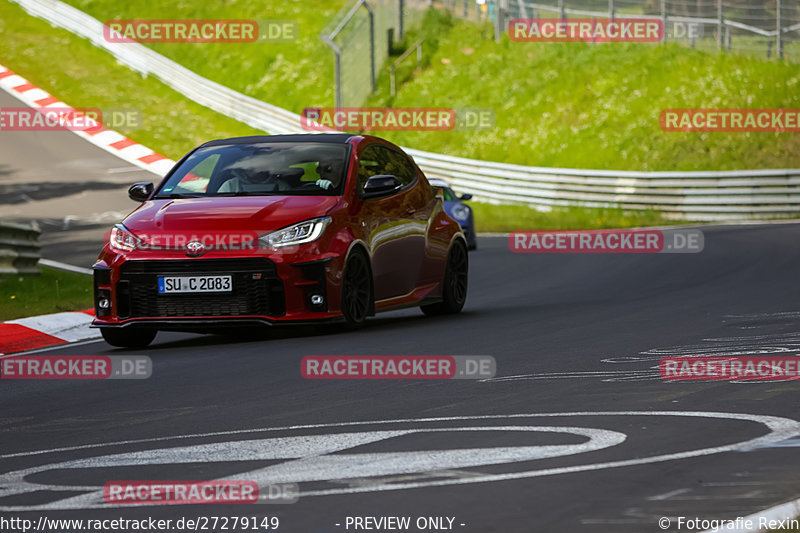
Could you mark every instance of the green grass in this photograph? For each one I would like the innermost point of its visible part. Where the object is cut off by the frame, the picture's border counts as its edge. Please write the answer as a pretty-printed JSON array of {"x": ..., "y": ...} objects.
[
  {"x": 505, "y": 218},
  {"x": 53, "y": 291},
  {"x": 290, "y": 75},
  {"x": 557, "y": 104},
  {"x": 578, "y": 105},
  {"x": 568, "y": 105}
]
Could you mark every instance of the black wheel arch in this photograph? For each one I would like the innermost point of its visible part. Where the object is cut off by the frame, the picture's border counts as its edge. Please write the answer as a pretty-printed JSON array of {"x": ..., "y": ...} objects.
[{"x": 358, "y": 247}]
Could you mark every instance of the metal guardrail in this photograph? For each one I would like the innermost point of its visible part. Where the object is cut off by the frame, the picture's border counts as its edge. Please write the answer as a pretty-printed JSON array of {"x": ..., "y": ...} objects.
[
  {"x": 691, "y": 195},
  {"x": 779, "y": 32},
  {"x": 19, "y": 249}
]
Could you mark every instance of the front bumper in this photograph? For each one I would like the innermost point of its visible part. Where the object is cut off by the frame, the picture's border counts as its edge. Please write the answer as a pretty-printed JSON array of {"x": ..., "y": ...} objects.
[{"x": 265, "y": 290}]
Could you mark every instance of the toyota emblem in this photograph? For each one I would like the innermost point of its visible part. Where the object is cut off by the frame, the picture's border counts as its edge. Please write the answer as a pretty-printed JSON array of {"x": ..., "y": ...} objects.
[{"x": 195, "y": 248}]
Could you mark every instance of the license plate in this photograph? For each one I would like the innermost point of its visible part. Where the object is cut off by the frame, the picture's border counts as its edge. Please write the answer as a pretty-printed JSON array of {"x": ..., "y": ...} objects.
[{"x": 179, "y": 284}]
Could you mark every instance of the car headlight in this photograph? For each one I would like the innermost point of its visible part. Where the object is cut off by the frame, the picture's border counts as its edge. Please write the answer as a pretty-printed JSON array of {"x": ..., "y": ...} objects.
[
  {"x": 122, "y": 240},
  {"x": 461, "y": 212},
  {"x": 299, "y": 233}
]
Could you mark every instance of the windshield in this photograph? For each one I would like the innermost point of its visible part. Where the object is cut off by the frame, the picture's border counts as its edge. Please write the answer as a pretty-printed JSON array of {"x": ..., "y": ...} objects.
[{"x": 286, "y": 169}]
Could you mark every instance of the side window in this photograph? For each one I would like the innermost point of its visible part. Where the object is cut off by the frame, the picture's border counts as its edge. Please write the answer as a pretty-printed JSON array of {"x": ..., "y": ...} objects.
[
  {"x": 370, "y": 163},
  {"x": 196, "y": 180},
  {"x": 377, "y": 159},
  {"x": 401, "y": 167}
]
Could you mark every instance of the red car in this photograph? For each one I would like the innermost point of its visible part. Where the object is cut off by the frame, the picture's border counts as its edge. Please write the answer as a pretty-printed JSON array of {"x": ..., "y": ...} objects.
[{"x": 276, "y": 230}]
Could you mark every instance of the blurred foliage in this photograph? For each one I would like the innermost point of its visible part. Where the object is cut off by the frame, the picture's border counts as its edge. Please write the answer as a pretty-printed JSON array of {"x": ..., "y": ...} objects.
[{"x": 556, "y": 104}]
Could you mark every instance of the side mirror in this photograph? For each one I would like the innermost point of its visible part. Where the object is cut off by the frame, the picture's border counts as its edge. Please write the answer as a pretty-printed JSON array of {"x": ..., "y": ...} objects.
[
  {"x": 381, "y": 185},
  {"x": 465, "y": 197},
  {"x": 139, "y": 192}
]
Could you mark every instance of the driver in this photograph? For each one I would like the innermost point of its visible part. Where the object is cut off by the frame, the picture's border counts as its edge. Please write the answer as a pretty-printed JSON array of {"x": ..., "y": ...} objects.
[
  {"x": 247, "y": 180},
  {"x": 330, "y": 175}
]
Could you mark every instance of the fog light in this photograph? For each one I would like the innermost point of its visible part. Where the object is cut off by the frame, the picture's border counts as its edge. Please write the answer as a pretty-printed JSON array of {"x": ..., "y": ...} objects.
[
  {"x": 102, "y": 302},
  {"x": 317, "y": 299}
]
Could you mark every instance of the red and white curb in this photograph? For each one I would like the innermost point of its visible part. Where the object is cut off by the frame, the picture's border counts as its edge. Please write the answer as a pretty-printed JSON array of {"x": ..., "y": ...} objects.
[
  {"x": 102, "y": 137},
  {"x": 46, "y": 330}
]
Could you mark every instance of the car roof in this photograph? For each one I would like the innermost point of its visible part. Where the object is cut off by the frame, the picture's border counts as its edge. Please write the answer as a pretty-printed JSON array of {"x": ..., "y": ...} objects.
[{"x": 334, "y": 138}]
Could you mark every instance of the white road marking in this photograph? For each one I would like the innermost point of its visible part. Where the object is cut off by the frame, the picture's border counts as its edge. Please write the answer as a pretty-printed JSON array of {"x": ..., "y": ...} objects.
[
  {"x": 69, "y": 326},
  {"x": 668, "y": 495},
  {"x": 122, "y": 170},
  {"x": 785, "y": 511},
  {"x": 312, "y": 459},
  {"x": 603, "y": 375},
  {"x": 49, "y": 349},
  {"x": 355, "y": 465},
  {"x": 777, "y": 344}
]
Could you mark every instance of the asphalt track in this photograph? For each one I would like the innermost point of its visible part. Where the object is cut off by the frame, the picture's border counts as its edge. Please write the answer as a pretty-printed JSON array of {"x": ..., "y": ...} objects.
[
  {"x": 72, "y": 189},
  {"x": 576, "y": 432},
  {"x": 570, "y": 333}
]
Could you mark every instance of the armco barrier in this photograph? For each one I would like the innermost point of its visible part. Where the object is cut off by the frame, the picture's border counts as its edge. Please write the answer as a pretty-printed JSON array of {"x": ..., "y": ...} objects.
[
  {"x": 693, "y": 195},
  {"x": 725, "y": 195},
  {"x": 19, "y": 249}
]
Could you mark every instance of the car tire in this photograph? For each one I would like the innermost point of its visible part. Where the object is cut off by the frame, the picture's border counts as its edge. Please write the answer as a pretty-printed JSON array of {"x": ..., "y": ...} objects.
[
  {"x": 356, "y": 290},
  {"x": 454, "y": 285},
  {"x": 128, "y": 337}
]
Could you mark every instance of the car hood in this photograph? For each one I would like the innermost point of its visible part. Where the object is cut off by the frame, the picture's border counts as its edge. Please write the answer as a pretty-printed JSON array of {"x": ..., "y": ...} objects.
[{"x": 227, "y": 214}]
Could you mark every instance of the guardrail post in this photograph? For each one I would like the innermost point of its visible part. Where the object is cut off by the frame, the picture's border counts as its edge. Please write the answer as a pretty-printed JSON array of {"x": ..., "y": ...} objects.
[
  {"x": 562, "y": 9},
  {"x": 371, "y": 44},
  {"x": 499, "y": 17},
  {"x": 779, "y": 24},
  {"x": 611, "y": 9},
  {"x": 19, "y": 249},
  {"x": 720, "y": 26},
  {"x": 664, "y": 17},
  {"x": 401, "y": 13},
  {"x": 328, "y": 39},
  {"x": 337, "y": 70}
]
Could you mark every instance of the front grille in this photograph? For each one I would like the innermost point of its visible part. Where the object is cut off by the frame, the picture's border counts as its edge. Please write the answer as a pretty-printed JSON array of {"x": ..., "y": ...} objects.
[{"x": 257, "y": 289}]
